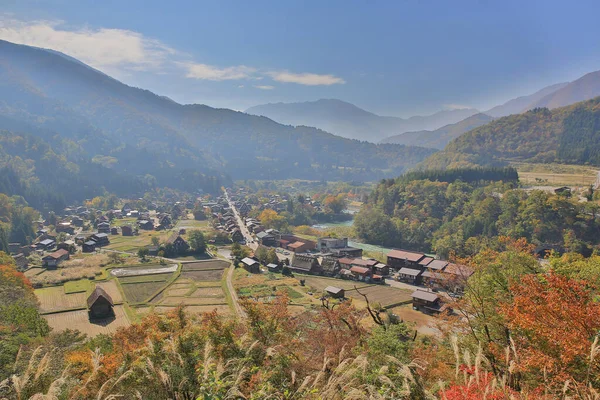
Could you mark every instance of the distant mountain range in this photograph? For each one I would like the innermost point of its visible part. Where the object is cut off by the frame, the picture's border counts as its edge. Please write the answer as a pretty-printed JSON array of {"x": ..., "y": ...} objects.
[
  {"x": 433, "y": 131},
  {"x": 347, "y": 120},
  {"x": 86, "y": 116},
  {"x": 524, "y": 103},
  {"x": 439, "y": 138},
  {"x": 568, "y": 135}
]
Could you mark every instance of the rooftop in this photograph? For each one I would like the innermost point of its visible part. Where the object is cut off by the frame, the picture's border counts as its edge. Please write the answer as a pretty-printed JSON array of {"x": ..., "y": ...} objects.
[{"x": 427, "y": 296}]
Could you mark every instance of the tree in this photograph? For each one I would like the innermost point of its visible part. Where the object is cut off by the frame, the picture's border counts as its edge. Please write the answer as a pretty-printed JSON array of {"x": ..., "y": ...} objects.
[
  {"x": 3, "y": 239},
  {"x": 272, "y": 257},
  {"x": 238, "y": 251},
  {"x": 488, "y": 287},
  {"x": 336, "y": 204},
  {"x": 554, "y": 321},
  {"x": 155, "y": 241},
  {"x": 270, "y": 219},
  {"x": 143, "y": 253},
  {"x": 197, "y": 241},
  {"x": 261, "y": 254}
]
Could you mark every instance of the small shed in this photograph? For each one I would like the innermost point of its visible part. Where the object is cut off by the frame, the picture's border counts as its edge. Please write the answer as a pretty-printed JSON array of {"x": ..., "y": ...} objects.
[
  {"x": 335, "y": 292},
  {"x": 100, "y": 304},
  {"x": 273, "y": 267},
  {"x": 251, "y": 265},
  {"x": 88, "y": 247},
  {"x": 425, "y": 301}
]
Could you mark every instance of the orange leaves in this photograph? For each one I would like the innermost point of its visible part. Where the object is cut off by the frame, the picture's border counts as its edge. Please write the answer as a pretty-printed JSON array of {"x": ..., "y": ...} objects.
[
  {"x": 9, "y": 276},
  {"x": 554, "y": 320}
]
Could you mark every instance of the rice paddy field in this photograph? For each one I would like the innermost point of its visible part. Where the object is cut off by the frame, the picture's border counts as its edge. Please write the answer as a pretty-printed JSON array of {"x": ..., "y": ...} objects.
[
  {"x": 53, "y": 299},
  {"x": 79, "y": 320}
]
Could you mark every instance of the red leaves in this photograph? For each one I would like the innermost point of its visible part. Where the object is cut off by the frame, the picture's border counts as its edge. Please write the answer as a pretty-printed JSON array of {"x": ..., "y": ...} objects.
[{"x": 554, "y": 320}]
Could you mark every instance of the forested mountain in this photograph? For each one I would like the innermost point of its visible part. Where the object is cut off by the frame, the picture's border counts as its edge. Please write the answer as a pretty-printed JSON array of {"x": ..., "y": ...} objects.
[
  {"x": 524, "y": 103},
  {"x": 439, "y": 138},
  {"x": 138, "y": 133},
  {"x": 347, "y": 120},
  {"x": 568, "y": 135}
]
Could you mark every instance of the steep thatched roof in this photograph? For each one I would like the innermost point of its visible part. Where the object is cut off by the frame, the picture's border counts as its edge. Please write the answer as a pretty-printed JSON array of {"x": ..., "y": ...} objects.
[{"x": 98, "y": 293}]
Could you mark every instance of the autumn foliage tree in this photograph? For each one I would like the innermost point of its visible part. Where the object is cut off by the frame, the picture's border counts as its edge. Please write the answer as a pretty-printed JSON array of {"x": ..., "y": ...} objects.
[{"x": 555, "y": 323}]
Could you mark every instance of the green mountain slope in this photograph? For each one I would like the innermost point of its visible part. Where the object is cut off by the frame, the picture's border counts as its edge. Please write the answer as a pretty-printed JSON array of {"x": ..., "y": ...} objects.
[
  {"x": 36, "y": 83},
  {"x": 567, "y": 135},
  {"x": 439, "y": 138}
]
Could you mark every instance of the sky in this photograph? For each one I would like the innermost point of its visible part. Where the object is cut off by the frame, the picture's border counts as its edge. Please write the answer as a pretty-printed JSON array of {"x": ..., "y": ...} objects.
[{"x": 397, "y": 57}]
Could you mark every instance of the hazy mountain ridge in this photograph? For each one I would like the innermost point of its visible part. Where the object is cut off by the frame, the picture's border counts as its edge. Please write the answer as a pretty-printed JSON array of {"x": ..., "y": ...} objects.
[
  {"x": 55, "y": 95},
  {"x": 347, "y": 120},
  {"x": 523, "y": 103},
  {"x": 439, "y": 138},
  {"x": 584, "y": 88}
]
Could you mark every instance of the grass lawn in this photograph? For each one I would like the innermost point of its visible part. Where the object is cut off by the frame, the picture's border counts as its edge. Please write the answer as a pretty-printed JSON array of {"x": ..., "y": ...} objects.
[
  {"x": 193, "y": 224},
  {"x": 133, "y": 243},
  {"x": 82, "y": 285}
]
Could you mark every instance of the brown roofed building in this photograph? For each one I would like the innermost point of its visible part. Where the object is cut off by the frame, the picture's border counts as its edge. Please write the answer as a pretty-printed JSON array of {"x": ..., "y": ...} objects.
[
  {"x": 305, "y": 263},
  {"x": 100, "y": 304},
  {"x": 360, "y": 273},
  {"x": 402, "y": 258},
  {"x": 52, "y": 260},
  {"x": 426, "y": 301},
  {"x": 179, "y": 244},
  {"x": 330, "y": 266}
]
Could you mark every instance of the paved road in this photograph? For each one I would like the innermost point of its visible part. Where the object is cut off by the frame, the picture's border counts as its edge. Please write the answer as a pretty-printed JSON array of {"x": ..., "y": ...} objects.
[{"x": 243, "y": 228}]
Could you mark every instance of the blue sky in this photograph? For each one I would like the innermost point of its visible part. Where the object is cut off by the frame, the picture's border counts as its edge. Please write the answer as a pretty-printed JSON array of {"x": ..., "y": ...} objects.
[{"x": 402, "y": 57}]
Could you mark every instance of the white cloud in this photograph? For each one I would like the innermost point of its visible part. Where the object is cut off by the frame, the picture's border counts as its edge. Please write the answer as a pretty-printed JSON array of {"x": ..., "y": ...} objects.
[
  {"x": 306, "y": 78},
  {"x": 119, "y": 51},
  {"x": 211, "y": 73},
  {"x": 240, "y": 86},
  {"x": 105, "y": 49}
]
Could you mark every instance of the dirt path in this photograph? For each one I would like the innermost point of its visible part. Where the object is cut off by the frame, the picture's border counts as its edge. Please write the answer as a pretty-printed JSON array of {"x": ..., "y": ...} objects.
[{"x": 234, "y": 297}]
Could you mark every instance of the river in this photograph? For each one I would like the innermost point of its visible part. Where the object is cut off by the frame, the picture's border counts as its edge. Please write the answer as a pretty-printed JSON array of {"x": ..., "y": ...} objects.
[{"x": 372, "y": 248}]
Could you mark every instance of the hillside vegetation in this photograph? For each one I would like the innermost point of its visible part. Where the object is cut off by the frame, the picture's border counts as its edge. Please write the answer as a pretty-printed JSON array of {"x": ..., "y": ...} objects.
[
  {"x": 569, "y": 135},
  {"x": 139, "y": 133},
  {"x": 462, "y": 211}
]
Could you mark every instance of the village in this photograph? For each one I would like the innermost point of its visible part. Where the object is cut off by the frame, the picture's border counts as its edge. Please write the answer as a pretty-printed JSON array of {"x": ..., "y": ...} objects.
[{"x": 100, "y": 269}]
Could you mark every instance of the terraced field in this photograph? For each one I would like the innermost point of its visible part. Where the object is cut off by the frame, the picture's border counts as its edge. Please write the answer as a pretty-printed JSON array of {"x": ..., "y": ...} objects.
[
  {"x": 80, "y": 320},
  {"x": 54, "y": 299}
]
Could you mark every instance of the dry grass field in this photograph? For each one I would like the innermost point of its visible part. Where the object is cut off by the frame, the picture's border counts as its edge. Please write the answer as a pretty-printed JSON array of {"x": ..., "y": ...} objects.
[
  {"x": 319, "y": 283},
  {"x": 383, "y": 295},
  {"x": 133, "y": 243},
  {"x": 79, "y": 320},
  {"x": 212, "y": 275},
  {"x": 142, "y": 291},
  {"x": 82, "y": 266},
  {"x": 55, "y": 299},
  {"x": 113, "y": 291},
  {"x": 425, "y": 324},
  {"x": 556, "y": 174}
]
